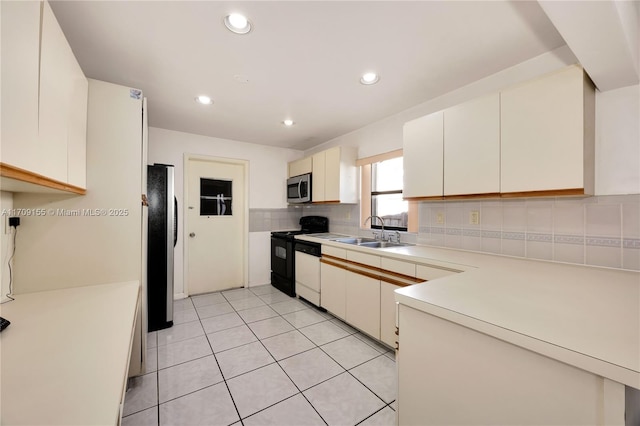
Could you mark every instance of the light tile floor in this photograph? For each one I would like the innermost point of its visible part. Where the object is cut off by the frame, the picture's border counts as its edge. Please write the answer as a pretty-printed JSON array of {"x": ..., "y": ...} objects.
[{"x": 258, "y": 357}]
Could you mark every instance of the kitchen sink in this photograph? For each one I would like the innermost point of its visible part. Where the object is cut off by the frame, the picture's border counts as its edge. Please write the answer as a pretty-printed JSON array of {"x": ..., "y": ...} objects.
[
  {"x": 383, "y": 244},
  {"x": 356, "y": 241},
  {"x": 370, "y": 242}
]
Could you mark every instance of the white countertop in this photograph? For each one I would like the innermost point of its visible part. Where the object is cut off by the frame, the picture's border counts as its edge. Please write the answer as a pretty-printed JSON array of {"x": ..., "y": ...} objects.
[
  {"x": 588, "y": 317},
  {"x": 65, "y": 355}
]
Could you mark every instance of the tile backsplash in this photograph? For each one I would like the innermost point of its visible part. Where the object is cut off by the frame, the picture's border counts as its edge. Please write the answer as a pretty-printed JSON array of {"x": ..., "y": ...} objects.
[
  {"x": 599, "y": 231},
  {"x": 263, "y": 220}
]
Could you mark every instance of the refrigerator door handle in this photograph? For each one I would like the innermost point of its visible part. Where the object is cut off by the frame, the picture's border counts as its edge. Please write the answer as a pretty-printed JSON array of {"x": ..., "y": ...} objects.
[{"x": 175, "y": 221}]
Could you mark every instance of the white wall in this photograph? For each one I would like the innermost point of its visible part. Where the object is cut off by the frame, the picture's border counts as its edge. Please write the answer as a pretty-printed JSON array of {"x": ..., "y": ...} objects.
[
  {"x": 6, "y": 242},
  {"x": 267, "y": 175},
  {"x": 618, "y": 141}
]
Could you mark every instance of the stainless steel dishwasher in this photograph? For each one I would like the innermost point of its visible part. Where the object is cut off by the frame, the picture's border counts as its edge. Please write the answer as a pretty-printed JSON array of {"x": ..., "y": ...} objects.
[{"x": 308, "y": 270}]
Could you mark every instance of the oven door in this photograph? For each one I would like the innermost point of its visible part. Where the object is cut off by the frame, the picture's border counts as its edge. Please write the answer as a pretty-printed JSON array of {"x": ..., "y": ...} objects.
[{"x": 282, "y": 257}]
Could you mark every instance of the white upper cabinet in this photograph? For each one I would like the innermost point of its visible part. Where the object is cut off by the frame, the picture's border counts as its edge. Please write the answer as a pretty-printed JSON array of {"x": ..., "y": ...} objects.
[
  {"x": 422, "y": 156},
  {"x": 55, "y": 100},
  {"x": 472, "y": 147},
  {"x": 548, "y": 134},
  {"x": 318, "y": 177},
  {"x": 334, "y": 177},
  {"x": 20, "y": 68},
  {"x": 300, "y": 167},
  {"x": 44, "y": 97},
  {"x": 535, "y": 139}
]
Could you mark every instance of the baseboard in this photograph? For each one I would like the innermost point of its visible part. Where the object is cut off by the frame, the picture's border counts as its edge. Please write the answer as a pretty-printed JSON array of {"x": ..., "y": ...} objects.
[{"x": 178, "y": 296}]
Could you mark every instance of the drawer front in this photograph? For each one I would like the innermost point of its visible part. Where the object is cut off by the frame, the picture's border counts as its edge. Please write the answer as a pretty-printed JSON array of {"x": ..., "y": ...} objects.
[
  {"x": 334, "y": 251},
  {"x": 432, "y": 273},
  {"x": 365, "y": 259},
  {"x": 308, "y": 270},
  {"x": 308, "y": 294},
  {"x": 398, "y": 266}
]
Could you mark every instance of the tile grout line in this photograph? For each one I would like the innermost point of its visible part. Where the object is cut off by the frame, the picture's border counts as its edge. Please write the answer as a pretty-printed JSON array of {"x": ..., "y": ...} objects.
[
  {"x": 282, "y": 369},
  {"x": 295, "y": 328},
  {"x": 224, "y": 380},
  {"x": 345, "y": 370}
]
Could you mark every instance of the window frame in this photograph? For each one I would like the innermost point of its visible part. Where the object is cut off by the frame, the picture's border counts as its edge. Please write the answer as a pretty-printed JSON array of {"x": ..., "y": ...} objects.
[{"x": 365, "y": 165}]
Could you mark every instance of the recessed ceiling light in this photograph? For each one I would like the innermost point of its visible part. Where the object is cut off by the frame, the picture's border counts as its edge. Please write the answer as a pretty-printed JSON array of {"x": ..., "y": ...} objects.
[
  {"x": 204, "y": 100},
  {"x": 288, "y": 122},
  {"x": 369, "y": 78},
  {"x": 237, "y": 23}
]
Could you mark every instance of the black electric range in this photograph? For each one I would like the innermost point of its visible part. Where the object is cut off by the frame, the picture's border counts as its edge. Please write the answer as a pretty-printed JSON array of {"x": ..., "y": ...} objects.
[{"x": 283, "y": 272}]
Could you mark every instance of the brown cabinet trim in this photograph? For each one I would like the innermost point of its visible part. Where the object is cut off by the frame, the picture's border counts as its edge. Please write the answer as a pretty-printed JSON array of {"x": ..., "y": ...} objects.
[
  {"x": 16, "y": 173},
  {"x": 371, "y": 271},
  {"x": 548, "y": 193},
  {"x": 571, "y": 192}
]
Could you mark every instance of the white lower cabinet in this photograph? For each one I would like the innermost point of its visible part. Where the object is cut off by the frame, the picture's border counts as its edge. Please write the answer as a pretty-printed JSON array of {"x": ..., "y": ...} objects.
[
  {"x": 308, "y": 277},
  {"x": 333, "y": 285},
  {"x": 388, "y": 313},
  {"x": 451, "y": 375},
  {"x": 359, "y": 288},
  {"x": 363, "y": 303}
]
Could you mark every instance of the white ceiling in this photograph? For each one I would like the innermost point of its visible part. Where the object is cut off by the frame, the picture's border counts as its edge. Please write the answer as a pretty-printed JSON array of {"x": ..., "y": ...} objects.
[{"x": 303, "y": 60}]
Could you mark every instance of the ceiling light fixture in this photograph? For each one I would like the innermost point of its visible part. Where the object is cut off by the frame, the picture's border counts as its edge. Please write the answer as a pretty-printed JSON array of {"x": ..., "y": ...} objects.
[
  {"x": 369, "y": 78},
  {"x": 288, "y": 122},
  {"x": 237, "y": 23},
  {"x": 204, "y": 100}
]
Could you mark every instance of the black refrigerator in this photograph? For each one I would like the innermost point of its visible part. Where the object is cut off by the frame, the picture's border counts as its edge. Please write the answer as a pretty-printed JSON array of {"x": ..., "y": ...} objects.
[{"x": 162, "y": 238}]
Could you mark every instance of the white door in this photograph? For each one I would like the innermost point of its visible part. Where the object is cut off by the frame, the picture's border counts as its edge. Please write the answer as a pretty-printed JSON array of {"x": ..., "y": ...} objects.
[{"x": 215, "y": 225}]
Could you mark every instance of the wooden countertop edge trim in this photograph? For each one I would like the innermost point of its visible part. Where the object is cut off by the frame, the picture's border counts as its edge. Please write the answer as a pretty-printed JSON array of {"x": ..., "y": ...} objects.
[
  {"x": 17, "y": 173},
  {"x": 548, "y": 193},
  {"x": 371, "y": 271},
  {"x": 570, "y": 192}
]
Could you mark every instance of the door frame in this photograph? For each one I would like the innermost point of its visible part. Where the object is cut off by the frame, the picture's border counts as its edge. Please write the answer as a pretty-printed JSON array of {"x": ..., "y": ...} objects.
[{"x": 185, "y": 216}]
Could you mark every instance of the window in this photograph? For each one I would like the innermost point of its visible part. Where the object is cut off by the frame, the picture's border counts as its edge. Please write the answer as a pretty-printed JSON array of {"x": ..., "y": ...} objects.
[
  {"x": 386, "y": 195},
  {"x": 381, "y": 193},
  {"x": 215, "y": 197}
]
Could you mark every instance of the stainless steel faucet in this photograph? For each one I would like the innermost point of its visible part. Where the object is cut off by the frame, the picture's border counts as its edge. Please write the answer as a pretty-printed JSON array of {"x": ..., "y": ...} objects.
[{"x": 381, "y": 221}]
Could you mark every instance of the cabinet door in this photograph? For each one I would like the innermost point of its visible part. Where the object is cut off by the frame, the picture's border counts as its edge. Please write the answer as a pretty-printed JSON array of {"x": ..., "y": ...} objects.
[
  {"x": 318, "y": 177},
  {"x": 472, "y": 147},
  {"x": 388, "y": 313},
  {"x": 20, "y": 68},
  {"x": 77, "y": 130},
  {"x": 363, "y": 303},
  {"x": 423, "y": 156},
  {"x": 308, "y": 271},
  {"x": 56, "y": 87},
  {"x": 332, "y": 174},
  {"x": 333, "y": 292},
  {"x": 300, "y": 167},
  {"x": 542, "y": 133}
]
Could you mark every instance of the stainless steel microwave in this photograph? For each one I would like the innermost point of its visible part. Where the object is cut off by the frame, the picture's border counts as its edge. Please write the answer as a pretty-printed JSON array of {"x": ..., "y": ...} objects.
[{"x": 299, "y": 189}]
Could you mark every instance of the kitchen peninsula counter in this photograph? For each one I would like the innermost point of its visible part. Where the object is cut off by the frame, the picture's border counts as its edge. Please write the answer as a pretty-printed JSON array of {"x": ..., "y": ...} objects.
[
  {"x": 65, "y": 356},
  {"x": 584, "y": 316}
]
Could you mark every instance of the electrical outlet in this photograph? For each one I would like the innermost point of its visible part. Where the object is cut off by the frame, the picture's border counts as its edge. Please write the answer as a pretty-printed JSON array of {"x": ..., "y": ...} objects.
[
  {"x": 474, "y": 217},
  {"x": 440, "y": 218}
]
